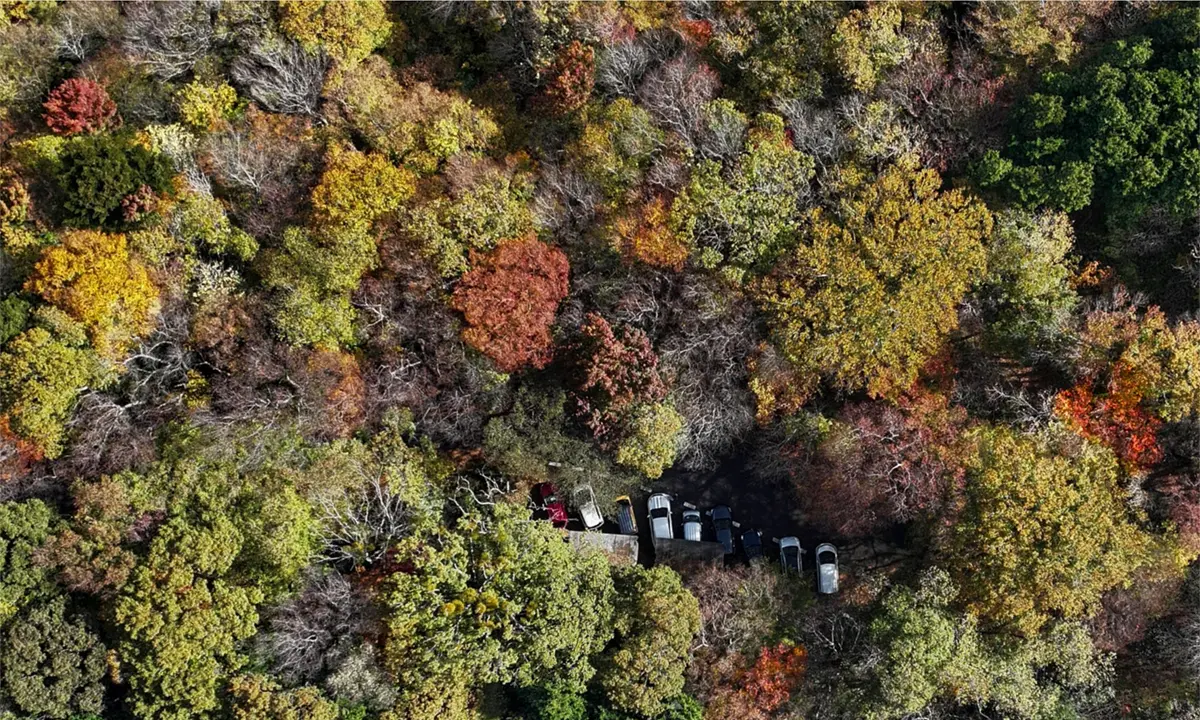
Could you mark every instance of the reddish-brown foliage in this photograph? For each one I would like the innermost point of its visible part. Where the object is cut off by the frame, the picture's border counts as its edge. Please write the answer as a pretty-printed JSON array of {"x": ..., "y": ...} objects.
[
  {"x": 1181, "y": 496},
  {"x": 572, "y": 76},
  {"x": 617, "y": 373},
  {"x": 883, "y": 464},
  {"x": 78, "y": 106},
  {"x": 338, "y": 379},
  {"x": 697, "y": 32},
  {"x": 767, "y": 685},
  {"x": 509, "y": 300},
  {"x": 16, "y": 454},
  {"x": 137, "y": 203},
  {"x": 1116, "y": 417}
]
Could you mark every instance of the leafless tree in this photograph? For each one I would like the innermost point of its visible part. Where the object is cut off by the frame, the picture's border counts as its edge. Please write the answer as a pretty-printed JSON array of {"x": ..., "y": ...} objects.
[
  {"x": 80, "y": 28},
  {"x": 361, "y": 524},
  {"x": 311, "y": 632},
  {"x": 620, "y": 66},
  {"x": 565, "y": 201},
  {"x": 675, "y": 94},
  {"x": 815, "y": 131},
  {"x": 706, "y": 353},
  {"x": 170, "y": 37},
  {"x": 360, "y": 679},
  {"x": 281, "y": 76},
  {"x": 737, "y": 606},
  {"x": 240, "y": 162}
]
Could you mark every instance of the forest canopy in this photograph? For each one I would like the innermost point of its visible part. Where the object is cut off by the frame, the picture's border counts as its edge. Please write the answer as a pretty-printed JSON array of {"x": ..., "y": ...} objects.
[{"x": 327, "y": 327}]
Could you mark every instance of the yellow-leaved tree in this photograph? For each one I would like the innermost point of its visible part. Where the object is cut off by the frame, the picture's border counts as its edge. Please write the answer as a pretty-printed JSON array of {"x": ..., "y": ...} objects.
[
  {"x": 92, "y": 276},
  {"x": 870, "y": 291}
]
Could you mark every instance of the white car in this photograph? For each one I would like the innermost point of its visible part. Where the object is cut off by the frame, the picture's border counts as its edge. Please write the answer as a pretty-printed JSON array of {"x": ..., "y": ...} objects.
[
  {"x": 659, "y": 509},
  {"x": 589, "y": 512},
  {"x": 827, "y": 569},
  {"x": 691, "y": 524}
]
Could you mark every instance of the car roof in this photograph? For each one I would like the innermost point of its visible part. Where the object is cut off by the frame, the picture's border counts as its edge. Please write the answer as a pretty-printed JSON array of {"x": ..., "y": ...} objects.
[{"x": 827, "y": 576}]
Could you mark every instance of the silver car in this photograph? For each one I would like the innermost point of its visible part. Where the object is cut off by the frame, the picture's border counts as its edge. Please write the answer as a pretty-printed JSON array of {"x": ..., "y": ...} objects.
[
  {"x": 659, "y": 509},
  {"x": 827, "y": 569},
  {"x": 791, "y": 555},
  {"x": 691, "y": 524},
  {"x": 589, "y": 511}
]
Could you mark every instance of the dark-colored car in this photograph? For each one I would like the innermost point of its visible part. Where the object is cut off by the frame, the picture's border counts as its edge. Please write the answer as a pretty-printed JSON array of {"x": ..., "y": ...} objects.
[
  {"x": 752, "y": 544},
  {"x": 556, "y": 509},
  {"x": 722, "y": 520},
  {"x": 626, "y": 520},
  {"x": 791, "y": 555}
]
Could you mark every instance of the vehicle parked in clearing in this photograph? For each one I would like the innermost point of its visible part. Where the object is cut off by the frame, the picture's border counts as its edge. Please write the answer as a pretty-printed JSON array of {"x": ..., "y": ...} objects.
[
  {"x": 827, "y": 569},
  {"x": 691, "y": 523},
  {"x": 589, "y": 511},
  {"x": 626, "y": 520},
  {"x": 659, "y": 509},
  {"x": 722, "y": 519},
  {"x": 791, "y": 555},
  {"x": 556, "y": 510},
  {"x": 752, "y": 544}
]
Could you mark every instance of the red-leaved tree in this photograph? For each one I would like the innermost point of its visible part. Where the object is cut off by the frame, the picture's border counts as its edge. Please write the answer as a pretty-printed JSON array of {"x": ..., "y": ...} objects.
[
  {"x": 572, "y": 75},
  {"x": 883, "y": 464},
  {"x": 79, "y": 105},
  {"x": 617, "y": 373},
  {"x": 509, "y": 300},
  {"x": 766, "y": 686},
  {"x": 1115, "y": 417}
]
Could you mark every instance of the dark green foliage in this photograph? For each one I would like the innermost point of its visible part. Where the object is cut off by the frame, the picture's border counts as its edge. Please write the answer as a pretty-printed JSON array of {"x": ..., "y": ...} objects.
[
  {"x": 96, "y": 172},
  {"x": 1123, "y": 130},
  {"x": 14, "y": 314},
  {"x": 24, "y": 527},
  {"x": 53, "y": 664}
]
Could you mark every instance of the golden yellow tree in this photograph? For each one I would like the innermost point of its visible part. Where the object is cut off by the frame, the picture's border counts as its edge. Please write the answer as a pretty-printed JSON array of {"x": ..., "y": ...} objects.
[
  {"x": 870, "y": 292},
  {"x": 92, "y": 277}
]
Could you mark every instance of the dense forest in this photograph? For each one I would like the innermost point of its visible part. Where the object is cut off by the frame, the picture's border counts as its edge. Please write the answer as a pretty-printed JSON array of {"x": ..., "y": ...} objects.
[{"x": 303, "y": 301}]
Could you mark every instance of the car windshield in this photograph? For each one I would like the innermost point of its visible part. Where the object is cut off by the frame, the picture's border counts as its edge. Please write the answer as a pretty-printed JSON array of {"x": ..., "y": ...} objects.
[
  {"x": 658, "y": 513},
  {"x": 827, "y": 558},
  {"x": 721, "y": 523}
]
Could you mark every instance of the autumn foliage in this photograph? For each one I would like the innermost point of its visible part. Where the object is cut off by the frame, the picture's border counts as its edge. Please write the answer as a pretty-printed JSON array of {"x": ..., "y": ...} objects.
[
  {"x": 509, "y": 301},
  {"x": 642, "y": 233},
  {"x": 1115, "y": 416},
  {"x": 80, "y": 106},
  {"x": 94, "y": 278},
  {"x": 571, "y": 78},
  {"x": 767, "y": 685},
  {"x": 618, "y": 372}
]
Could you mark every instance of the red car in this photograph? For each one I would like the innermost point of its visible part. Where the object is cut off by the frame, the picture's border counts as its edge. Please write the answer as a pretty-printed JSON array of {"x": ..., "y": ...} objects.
[{"x": 556, "y": 509}]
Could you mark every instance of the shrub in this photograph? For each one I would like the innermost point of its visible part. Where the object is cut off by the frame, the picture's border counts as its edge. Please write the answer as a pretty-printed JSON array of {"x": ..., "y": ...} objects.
[
  {"x": 80, "y": 106},
  {"x": 203, "y": 106}
]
